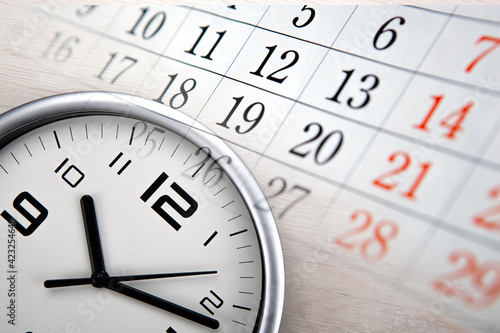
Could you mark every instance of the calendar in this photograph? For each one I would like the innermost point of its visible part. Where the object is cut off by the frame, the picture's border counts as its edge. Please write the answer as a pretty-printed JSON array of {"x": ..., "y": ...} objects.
[{"x": 373, "y": 131}]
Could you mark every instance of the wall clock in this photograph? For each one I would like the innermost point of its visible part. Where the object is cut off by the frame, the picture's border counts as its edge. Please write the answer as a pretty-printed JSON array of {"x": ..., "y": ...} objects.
[{"x": 123, "y": 215}]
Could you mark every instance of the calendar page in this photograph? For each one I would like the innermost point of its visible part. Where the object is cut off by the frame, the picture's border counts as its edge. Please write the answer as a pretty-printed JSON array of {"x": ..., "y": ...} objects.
[{"x": 372, "y": 130}]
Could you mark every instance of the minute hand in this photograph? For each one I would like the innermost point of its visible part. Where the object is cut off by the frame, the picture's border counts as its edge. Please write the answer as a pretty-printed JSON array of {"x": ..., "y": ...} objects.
[
  {"x": 55, "y": 283},
  {"x": 162, "y": 304}
]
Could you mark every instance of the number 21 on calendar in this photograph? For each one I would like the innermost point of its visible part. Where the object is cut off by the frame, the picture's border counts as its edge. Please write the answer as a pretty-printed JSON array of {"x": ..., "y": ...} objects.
[{"x": 393, "y": 180}]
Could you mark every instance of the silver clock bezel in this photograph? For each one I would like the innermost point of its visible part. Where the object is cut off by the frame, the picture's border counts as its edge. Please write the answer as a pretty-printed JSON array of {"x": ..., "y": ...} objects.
[{"x": 24, "y": 118}]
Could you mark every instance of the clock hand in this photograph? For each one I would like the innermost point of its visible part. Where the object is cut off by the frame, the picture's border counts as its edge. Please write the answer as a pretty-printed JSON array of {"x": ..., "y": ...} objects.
[
  {"x": 93, "y": 239},
  {"x": 162, "y": 304},
  {"x": 101, "y": 279},
  {"x": 81, "y": 281}
]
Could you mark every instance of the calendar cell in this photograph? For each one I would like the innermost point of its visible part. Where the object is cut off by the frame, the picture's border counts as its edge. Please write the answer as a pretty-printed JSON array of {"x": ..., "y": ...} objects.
[
  {"x": 407, "y": 175},
  {"x": 319, "y": 143},
  {"x": 458, "y": 276},
  {"x": 492, "y": 153},
  {"x": 238, "y": 114},
  {"x": 250, "y": 14},
  {"x": 112, "y": 65},
  {"x": 375, "y": 233},
  {"x": 179, "y": 86},
  {"x": 56, "y": 45},
  {"x": 477, "y": 209},
  {"x": 151, "y": 27},
  {"x": 208, "y": 41},
  {"x": 472, "y": 58},
  {"x": 439, "y": 114},
  {"x": 277, "y": 63},
  {"x": 355, "y": 88},
  {"x": 484, "y": 12},
  {"x": 389, "y": 33},
  {"x": 316, "y": 23},
  {"x": 293, "y": 196},
  {"x": 92, "y": 16}
]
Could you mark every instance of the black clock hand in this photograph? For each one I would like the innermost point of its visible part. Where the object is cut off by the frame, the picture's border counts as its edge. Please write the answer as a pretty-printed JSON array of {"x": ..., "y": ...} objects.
[
  {"x": 81, "y": 281},
  {"x": 162, "y": 304},
  {"x": 92, "y": 234}
]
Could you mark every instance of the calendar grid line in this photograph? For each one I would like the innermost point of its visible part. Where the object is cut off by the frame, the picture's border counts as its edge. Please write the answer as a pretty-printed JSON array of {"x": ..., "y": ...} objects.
[
  {"x": 466, "y": 85},
  {"x": 424, "y": 217},
  {"x": 372, "y": 131},
  {"x": 428, "y": 219},
  {"x": 460, "y": 16},
  {"x": 407, "y": 70},
  {"x": 296, "y": 100},
  {"x": 164, "y": 50},
  {"x": 381, "y": 127},
  {"x": 449, "y": 151}
]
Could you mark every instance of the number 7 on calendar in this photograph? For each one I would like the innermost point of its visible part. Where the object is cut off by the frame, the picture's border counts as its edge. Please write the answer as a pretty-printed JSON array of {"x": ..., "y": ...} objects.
[{"x": 495, "y": 44}]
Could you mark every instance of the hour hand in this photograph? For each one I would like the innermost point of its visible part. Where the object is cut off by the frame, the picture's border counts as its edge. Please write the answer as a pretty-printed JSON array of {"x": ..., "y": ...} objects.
[
  {"x": 163, "y": 304},
  {"x": 92, "y": 234}
]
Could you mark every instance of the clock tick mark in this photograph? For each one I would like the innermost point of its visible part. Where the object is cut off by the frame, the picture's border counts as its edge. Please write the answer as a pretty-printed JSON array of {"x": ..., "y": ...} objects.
[
  {"x": 222, "y": 189},
  {"x": 161, "y": 143},
  {"x": 187, "y": 159},
  {"x": 86, "y": 132},
  {"x": 25, "y": 146},
  {"x": 131, "y": 136},
  {"x": 246, "y": 262},
  {"x": 246, "y": 292},
  {"x": 41, "y": 142},
  {"x": 243, "y": 247},
  {"x": 233, "y": 218},
  {"x": 238, "y": 232},
  {"x": 1, "y": 166},
  {"x": 15, "y": 159},
  {"x": 239, "y": 322},
  {"x": 208, "y": 181},
  {"x": 71, "y": 133},
  {"x": 57, "y": 140},
  {"x": 198, "y": 170},
  {"x": 241, "y": 307},
  {"x": 175, "y": 150},
  {"x": 227, "y": 204}
]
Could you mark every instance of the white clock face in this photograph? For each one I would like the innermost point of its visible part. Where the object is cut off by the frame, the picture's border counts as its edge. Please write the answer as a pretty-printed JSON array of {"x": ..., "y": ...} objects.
[{"x": 162, "y": 206}]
